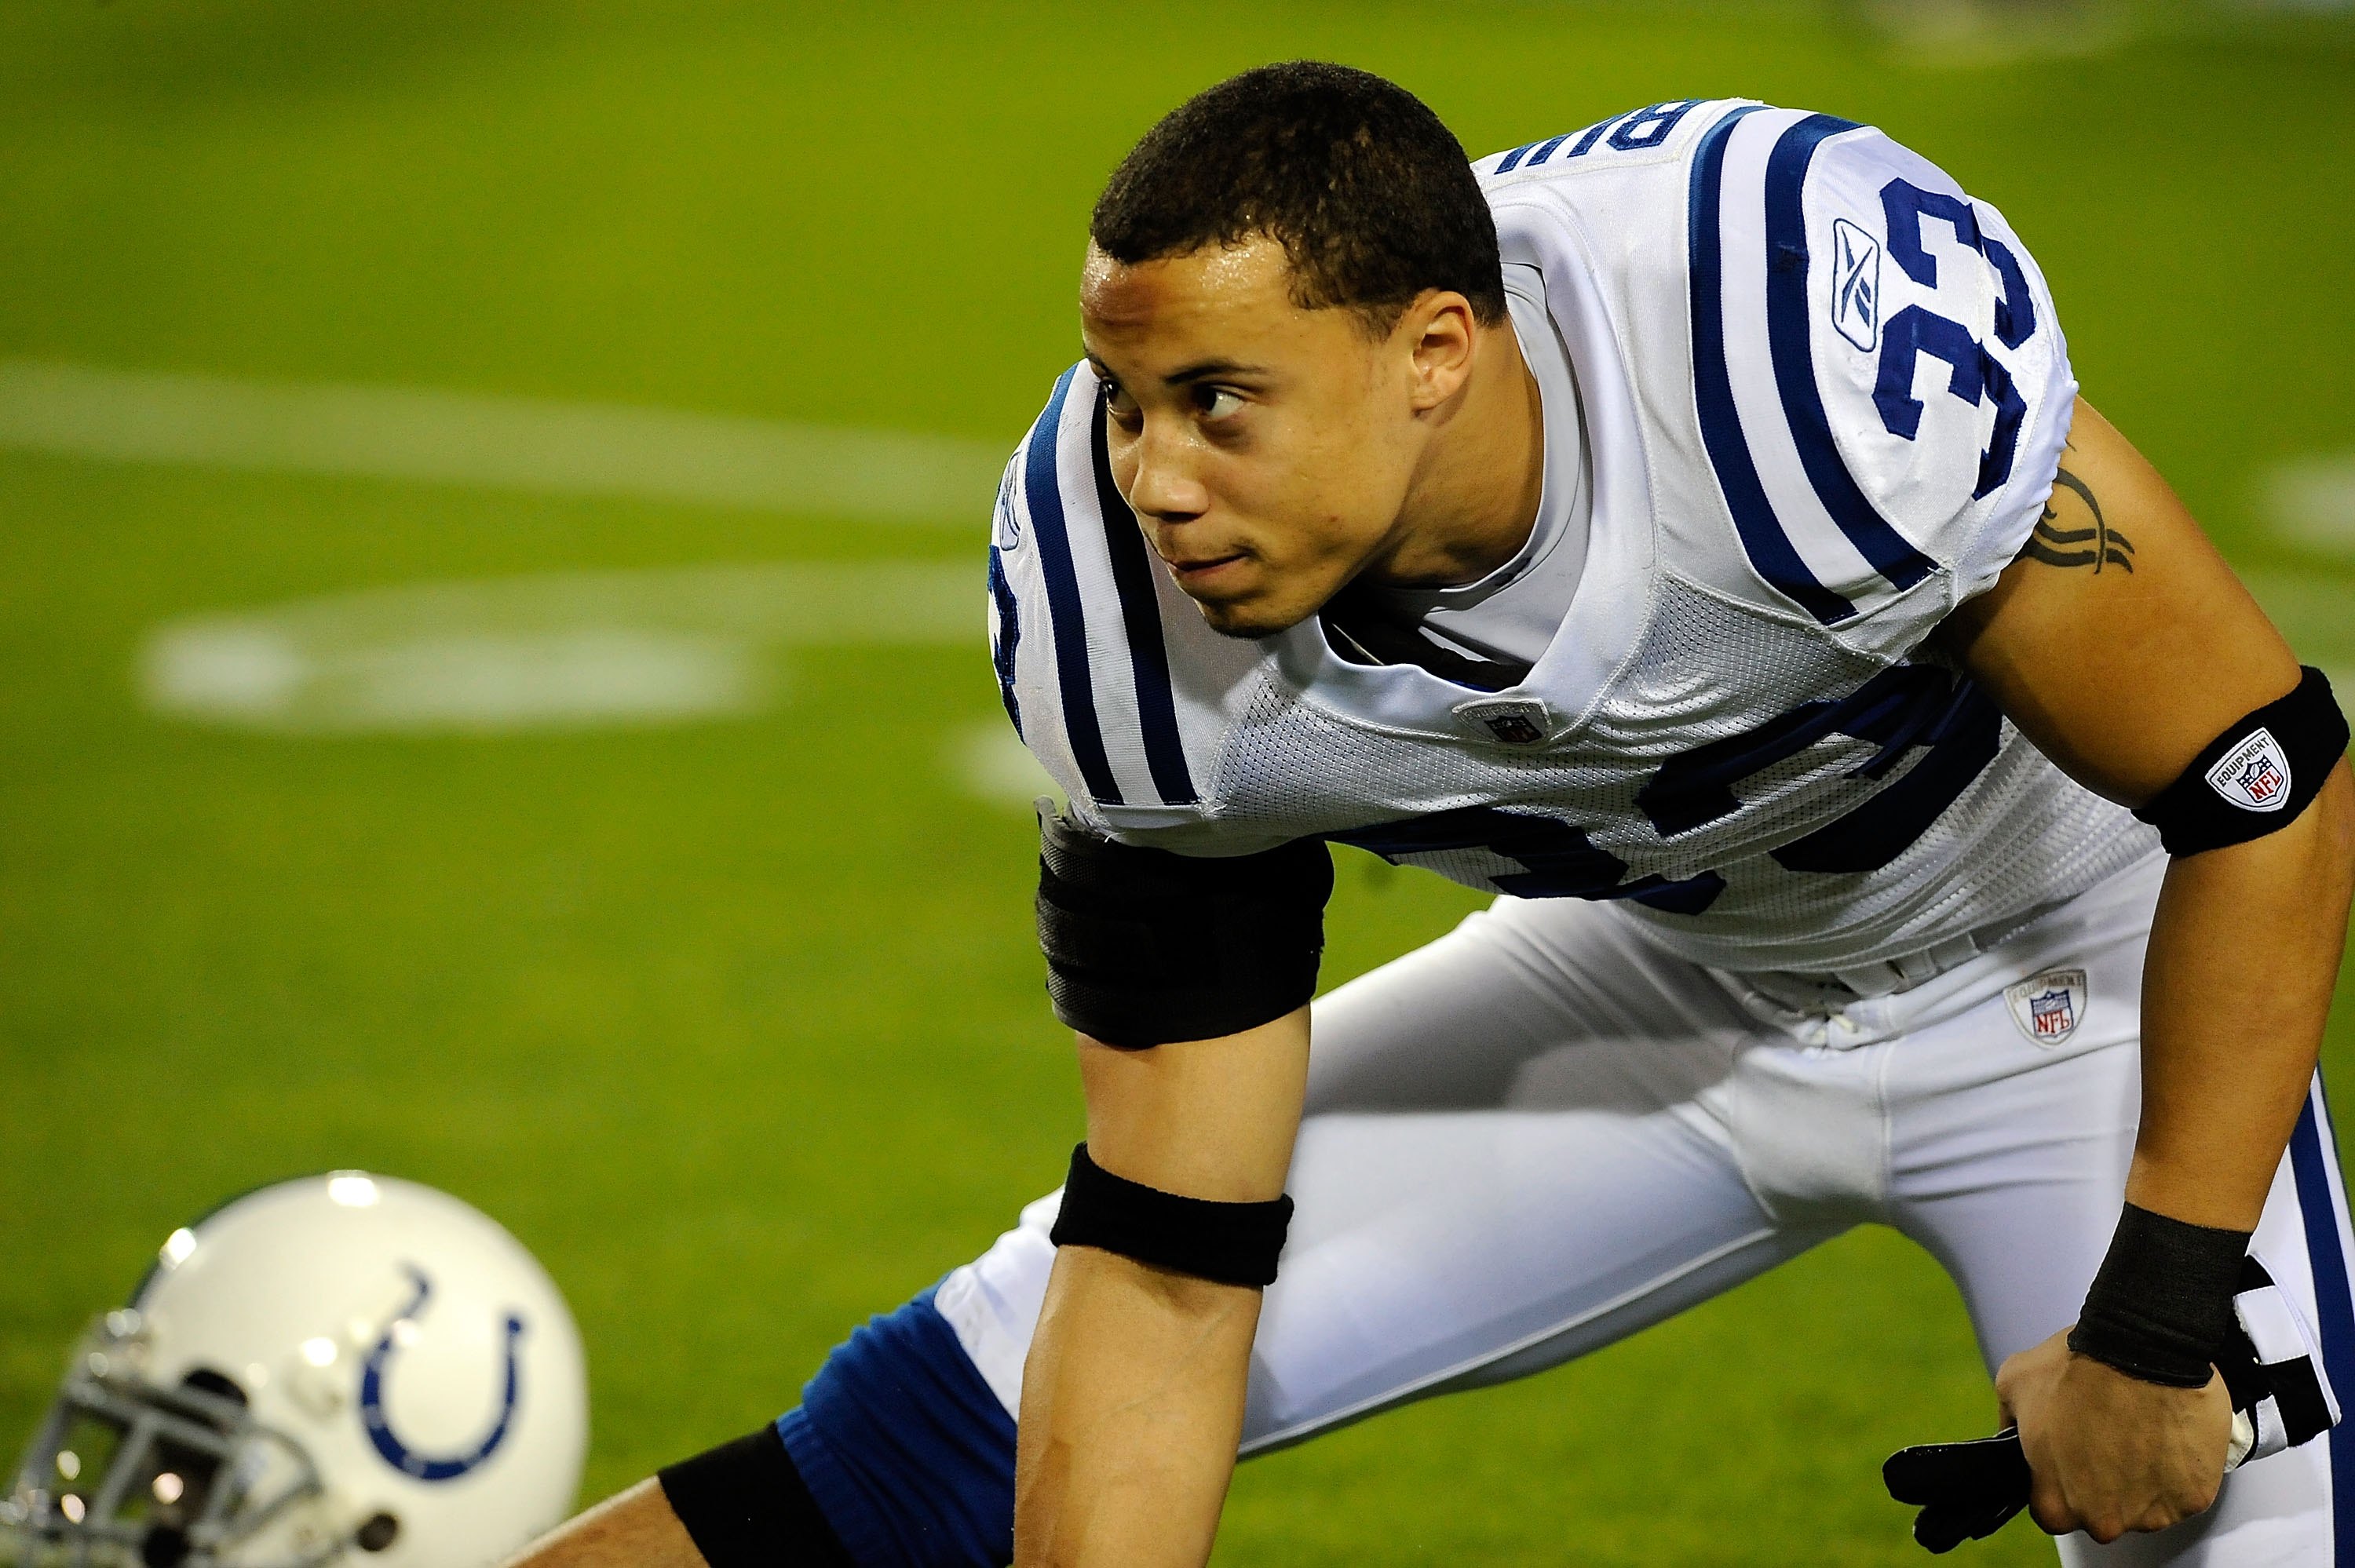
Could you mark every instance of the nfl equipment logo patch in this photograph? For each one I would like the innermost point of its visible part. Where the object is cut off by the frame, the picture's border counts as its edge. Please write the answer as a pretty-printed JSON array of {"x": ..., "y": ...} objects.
[
  {"x": 1856, "y": 284},
  {"x": 1510, "y": 721},
  {"x": 2048, "y": 1007},
  {"x": 2254, "y": 775}
]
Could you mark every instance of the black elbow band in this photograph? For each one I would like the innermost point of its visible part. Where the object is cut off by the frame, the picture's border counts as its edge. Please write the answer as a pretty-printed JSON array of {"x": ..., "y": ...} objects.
[
  {"x": 1232, "y": 1244},
  {"x": 2161, "y": 1308},
  {"x": 2256, "y": 777},
  {"x": 744, "y": 1506},
  {"x": 1145, "y": 946}
]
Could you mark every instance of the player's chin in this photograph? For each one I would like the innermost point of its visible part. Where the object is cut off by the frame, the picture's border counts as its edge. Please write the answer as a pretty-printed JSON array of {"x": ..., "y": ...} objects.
[{"x": 1249, "y": 615}]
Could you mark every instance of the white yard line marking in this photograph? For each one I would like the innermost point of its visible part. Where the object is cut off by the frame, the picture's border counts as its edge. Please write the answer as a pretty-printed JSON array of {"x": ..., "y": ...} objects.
[
  {"x": 2312, "y": 502},
  {"x": 251, "y": 678},
  {"x": 506, "y": 443},
  {"x": 566, "y": 650}
]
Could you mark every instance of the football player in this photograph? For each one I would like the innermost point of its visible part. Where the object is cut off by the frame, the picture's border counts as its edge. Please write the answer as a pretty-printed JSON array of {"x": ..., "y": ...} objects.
[{"x": 1687, "y": 527}]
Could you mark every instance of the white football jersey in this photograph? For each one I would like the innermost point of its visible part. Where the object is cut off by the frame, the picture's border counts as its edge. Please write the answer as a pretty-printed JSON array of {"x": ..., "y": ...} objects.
[{"x": 1825, "y": 394}]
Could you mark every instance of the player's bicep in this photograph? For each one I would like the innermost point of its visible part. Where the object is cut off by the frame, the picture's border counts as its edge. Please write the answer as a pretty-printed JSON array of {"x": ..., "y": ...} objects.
[{"x": 2118, "y": 640}]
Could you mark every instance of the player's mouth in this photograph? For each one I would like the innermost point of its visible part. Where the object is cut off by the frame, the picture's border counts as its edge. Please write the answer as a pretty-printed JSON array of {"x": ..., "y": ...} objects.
[{"x": 1203, "y": 571}]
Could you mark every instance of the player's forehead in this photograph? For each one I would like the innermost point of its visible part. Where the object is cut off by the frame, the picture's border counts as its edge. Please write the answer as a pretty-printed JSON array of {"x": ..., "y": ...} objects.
[{"x": 1225, "y": 301}]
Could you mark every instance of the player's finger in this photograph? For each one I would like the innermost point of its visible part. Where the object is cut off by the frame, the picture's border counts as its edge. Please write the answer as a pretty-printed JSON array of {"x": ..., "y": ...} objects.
[{"x": 2049, "y": 1509}]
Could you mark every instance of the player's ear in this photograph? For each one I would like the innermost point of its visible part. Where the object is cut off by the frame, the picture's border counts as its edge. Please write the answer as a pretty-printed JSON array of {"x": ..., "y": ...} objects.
[{"x": 1439, "y": 332}]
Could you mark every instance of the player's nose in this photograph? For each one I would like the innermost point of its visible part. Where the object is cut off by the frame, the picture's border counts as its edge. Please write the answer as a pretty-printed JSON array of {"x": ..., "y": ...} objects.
[{"x": 1164, "y": 485}]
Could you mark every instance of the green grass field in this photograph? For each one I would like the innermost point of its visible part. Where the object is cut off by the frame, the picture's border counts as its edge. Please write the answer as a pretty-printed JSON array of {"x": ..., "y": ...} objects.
[{"x": 738, "y": 1023}]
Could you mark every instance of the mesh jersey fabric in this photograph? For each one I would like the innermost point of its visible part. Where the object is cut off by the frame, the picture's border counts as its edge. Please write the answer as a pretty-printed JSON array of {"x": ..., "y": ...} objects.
[{"x": 1825, "y": 394}]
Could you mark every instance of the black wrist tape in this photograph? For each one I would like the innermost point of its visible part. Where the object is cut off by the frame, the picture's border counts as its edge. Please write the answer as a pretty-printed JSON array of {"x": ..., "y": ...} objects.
[
  {"x": 2256, "y": 777},
  {"x": 1232, "y": 1243},
  {"x": 2161, "y": 1308},
  {"x": 1145, "y": 946},
  {"x": 744, "y": 1506}
]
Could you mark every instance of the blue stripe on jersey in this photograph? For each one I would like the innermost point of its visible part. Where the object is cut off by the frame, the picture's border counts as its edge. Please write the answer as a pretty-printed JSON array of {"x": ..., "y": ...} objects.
[
  {"x": 905, "y": 1449},
  {"x": 1513, "y": 157},
  {"x": 2334, "y": 1307},
  {"x": 1140, "y": 610},
  {"x": 1794, "y": 370},
  {"x": 1045, "y": 494},
  {"x": 1769, "y": 549}
]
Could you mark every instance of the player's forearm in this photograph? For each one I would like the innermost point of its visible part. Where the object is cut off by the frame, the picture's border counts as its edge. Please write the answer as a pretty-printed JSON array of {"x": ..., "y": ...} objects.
[
  {"x": 634, "y": 1529},
  {"x": 2245, "y": 952},
  {"x": 1188, "y": 986},
  {"x": 1132, "y": 1407}
]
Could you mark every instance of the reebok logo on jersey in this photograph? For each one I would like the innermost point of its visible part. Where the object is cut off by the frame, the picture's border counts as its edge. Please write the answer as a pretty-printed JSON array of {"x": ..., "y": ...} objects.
[
  {"x": 1856, "y": 284},
  {"x": 2048, "y": 1007},
  {"x": 2254, "y": 775}
]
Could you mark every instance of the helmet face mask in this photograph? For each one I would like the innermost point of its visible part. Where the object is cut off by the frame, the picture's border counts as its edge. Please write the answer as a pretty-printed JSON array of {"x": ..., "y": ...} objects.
[
  {"x": 342, "y": 1369},
  {"x": 125, "y": 1471}
]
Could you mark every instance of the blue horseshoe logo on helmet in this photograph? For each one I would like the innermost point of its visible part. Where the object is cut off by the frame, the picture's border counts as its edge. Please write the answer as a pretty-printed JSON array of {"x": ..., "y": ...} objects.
[{"x": 399, "y": 1455}]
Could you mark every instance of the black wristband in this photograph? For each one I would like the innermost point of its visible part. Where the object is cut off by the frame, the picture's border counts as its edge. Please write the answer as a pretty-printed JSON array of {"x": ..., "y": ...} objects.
[
  {"x": 2258, "y": 776},
  {"x": 744, "y": 1506},
  {"x": 1230, "y": 1244},
  {"x": 2161, "y": 1308},
  {"x": 1145, "y": 946}
]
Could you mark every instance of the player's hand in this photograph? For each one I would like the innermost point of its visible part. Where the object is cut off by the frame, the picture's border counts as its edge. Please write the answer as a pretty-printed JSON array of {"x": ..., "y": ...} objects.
[{"x": 2108, "y": 1453}]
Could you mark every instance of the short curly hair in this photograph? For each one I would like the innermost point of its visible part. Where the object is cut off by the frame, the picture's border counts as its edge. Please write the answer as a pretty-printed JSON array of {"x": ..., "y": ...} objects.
[{"x": 1367, "y": 191}]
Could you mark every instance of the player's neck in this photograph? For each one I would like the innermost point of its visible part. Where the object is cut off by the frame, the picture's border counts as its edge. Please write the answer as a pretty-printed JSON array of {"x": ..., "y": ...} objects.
[{"x": 1474, "y": 502}]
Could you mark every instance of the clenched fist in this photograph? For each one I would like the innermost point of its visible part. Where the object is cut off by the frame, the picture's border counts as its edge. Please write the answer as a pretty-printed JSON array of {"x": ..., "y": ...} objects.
[{"x": 2109, "y": 1453}]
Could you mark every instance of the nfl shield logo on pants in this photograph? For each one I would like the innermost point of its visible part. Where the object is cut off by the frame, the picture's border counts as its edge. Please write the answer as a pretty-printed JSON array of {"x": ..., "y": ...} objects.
[{"x": 2048, "y": 1007}]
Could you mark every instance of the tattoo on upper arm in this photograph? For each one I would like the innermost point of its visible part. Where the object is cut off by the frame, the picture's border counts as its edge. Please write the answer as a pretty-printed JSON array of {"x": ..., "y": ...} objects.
[{"x": 2096, "y": 547}]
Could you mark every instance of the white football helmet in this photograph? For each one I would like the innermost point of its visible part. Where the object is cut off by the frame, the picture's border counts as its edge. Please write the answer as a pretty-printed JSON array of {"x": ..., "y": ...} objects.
[{"x": 343, "y": 1369}]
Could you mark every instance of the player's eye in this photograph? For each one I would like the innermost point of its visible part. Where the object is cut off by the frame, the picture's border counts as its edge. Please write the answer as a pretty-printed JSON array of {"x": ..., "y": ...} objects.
[
  {"x": 1216, "y": 402},
  {"x": 1119, "y": 406}
]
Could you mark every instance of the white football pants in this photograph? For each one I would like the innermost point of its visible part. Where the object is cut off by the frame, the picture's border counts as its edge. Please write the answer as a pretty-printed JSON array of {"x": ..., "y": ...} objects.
[{"x": 1542, "y": 1133}]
